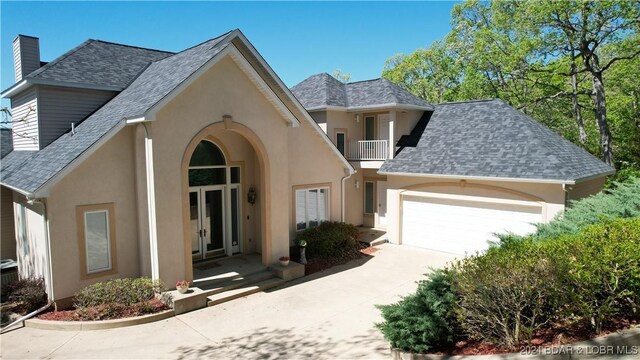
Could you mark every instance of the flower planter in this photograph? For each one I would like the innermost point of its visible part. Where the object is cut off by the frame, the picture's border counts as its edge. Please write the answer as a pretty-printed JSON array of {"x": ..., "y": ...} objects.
[
  {"x": 183, "y": 290},
  {"x": 284, "y": 262}
]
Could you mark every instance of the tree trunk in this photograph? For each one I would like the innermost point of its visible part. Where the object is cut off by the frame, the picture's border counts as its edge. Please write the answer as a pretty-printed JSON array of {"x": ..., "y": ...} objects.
[
  {"x": 601, "y": 117},
  {"x": 576, "y": 105}
]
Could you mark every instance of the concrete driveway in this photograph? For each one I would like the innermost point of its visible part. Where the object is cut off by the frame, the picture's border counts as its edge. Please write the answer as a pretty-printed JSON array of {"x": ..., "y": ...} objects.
[{"x": 326, "y": 315}]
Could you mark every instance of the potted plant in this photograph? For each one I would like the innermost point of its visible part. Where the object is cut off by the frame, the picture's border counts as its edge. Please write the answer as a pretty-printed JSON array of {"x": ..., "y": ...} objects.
[
  {"x": 284, "y": 260},
  {"x": 182, "y": 286}
]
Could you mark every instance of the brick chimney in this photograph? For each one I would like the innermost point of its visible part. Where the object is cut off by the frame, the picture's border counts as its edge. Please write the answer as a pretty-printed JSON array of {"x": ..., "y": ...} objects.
[{"x": 26, "y": 55}]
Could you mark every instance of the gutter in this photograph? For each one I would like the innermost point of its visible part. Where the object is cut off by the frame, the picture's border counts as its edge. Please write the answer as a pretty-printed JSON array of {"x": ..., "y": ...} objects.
[
  {"x": 26, "y": 317},
  {"x": 350, "y": 172}
]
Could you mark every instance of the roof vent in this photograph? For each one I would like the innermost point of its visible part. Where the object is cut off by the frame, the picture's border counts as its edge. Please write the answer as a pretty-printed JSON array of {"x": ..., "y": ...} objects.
[{"x": 26, "y": 55}]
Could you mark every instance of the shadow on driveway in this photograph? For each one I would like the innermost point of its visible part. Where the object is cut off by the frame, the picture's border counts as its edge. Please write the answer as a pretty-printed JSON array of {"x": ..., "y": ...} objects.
[{"x": 270, "y": 343}]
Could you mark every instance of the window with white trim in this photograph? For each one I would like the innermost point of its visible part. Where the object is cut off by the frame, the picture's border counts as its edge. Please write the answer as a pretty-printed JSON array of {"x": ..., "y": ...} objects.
[
  {"x": 97, "y": 239},
  {"x": 312, "y": 207}
]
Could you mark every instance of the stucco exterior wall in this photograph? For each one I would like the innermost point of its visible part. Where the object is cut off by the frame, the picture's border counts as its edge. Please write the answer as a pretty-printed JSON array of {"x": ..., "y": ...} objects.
[
  {"x": 107, "y": 176},
  {"x": 291, "y": 156},
  {"x": 31, "y": 239},
  {"x": 7, "y": 229},
  {"x": 585, "y": 189},
  {"x": 551, "y": 196}
]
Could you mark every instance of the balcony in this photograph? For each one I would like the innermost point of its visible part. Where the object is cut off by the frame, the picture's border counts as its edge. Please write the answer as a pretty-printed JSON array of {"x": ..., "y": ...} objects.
[{"x": 369, "y": 150}]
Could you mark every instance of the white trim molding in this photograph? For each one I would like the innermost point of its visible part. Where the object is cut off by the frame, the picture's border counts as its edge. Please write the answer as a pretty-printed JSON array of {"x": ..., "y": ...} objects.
[{"x": 483, "y": 178}]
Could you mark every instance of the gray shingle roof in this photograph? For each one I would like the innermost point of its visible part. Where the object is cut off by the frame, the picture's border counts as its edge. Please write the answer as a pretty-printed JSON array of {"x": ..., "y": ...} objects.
[
  {"x": 322, "y": 90},
  {"x": 96, "y": 62},
  {"x": 489, "y": 138},
  {"x": 30, "y": 171},
  {"x": 6, "y": 141}
]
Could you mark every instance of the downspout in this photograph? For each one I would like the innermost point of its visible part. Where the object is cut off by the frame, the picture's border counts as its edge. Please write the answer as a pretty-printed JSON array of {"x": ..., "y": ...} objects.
[
  {"x": 342, "y": 193},
  {"x": 151, "y": 203},
  {"x": 31, "y": 200}
]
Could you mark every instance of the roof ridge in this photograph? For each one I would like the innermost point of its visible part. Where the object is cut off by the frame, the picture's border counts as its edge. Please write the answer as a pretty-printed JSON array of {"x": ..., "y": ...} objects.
[
  {"x": 55, "y": 61},
  {"x": 132, "y": 46},
  {"x": 361, "y": 81},
  {"x": 201, "y": 43},
  {"x": 467, "y": 101}
]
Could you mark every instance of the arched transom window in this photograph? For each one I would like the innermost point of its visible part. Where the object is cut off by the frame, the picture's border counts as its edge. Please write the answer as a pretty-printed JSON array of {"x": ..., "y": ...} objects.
[{"x": 207, "y": 165}]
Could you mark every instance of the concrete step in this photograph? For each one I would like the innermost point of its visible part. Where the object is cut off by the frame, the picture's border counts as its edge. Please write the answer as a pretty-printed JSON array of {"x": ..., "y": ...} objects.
[
  {"x": 379, "y": 242},
  {"x": 216, "y": 286},
  {"x": 239, "y": 292}
]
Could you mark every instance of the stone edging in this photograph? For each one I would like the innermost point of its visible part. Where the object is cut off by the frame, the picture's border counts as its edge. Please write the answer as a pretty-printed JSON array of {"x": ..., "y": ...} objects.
[
  {"x": 97, "y": 325},
  {"x": 626, "y": 340}
]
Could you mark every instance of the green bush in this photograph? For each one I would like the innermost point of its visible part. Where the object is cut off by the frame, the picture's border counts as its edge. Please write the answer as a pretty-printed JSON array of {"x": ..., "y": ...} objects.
[
  {"x": 599, "y": 270},
  {"x": 506, "y": 294},
  {"x": 330, "y": 239},
  {"x": 510, "y": 291},
  {"x": 622, "y": 201},
  {"x": 423, "y": 321},
  {"x": 29, "y": 293},
  {"x": 124, "y": 292}
]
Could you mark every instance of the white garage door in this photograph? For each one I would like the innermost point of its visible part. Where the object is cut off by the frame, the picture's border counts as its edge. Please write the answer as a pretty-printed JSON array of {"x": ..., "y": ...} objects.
[{"x": 459, "y": 226}]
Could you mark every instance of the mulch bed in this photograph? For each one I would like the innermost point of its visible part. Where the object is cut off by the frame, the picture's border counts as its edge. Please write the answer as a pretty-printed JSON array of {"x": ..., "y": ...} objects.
[
  {"x": 320, "y": 264},
  {"x": 557, "y": 335},
  {"x": 107, "y": 312}
]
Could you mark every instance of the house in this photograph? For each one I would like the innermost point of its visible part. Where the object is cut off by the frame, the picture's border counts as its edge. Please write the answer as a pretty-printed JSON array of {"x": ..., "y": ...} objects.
[
  {"x": 134, "y": 162},
  {"x": 446, "y": 176}
]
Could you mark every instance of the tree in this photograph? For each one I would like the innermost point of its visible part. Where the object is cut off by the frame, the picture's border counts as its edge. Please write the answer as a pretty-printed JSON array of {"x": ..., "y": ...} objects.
[
  {"x": 342, "y": 76},
  {"x": 581, "y": 29},
  {"x": 549, "y": 59},
  {"x": 7, "y": 119}
]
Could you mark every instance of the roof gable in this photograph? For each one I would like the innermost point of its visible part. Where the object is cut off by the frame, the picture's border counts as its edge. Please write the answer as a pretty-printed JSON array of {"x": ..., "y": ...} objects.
[
  {"x": 489, "y": 138},
  {"x": 153, "y": 86}
]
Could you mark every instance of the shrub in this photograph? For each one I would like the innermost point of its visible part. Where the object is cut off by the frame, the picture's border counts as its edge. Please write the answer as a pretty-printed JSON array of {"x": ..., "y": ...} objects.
[
  {"x": 600, "y": 270},
  {"x": 510, "y": 291},
  {"x": 30, "y": 293},
  {"x": 622, "y": 201},
  {"x": 330, "y": 239},
  {"x": 124, "y": 292},
  {"x": 506, "y": 294},
  {"x": 423, "y": 321}
]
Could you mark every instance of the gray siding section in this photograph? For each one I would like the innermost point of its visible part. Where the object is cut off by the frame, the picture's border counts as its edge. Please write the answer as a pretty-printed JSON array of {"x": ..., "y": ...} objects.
[
  {"x": 26, "y": 55},
  {"x": 59, "y": 107},
  {"x": 24, "y": 111},
  {"x": 7, "y": 228}
]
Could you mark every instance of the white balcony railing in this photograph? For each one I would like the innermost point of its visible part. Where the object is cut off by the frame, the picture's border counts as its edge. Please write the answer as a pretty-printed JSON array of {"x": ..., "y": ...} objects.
[{"x": 369, "y": 150}]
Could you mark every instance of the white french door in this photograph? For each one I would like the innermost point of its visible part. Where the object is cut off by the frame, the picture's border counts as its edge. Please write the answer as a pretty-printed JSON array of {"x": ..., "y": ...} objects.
[
  {"x": 215, "y": 220},
  {"x": 207, "y": 207}
]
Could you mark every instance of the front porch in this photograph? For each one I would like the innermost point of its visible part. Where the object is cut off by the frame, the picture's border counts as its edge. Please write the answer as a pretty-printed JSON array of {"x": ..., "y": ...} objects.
[{"x": 224, "y": 279}]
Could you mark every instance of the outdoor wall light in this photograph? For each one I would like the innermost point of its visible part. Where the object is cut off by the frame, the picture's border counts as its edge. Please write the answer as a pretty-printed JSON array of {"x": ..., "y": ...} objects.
[
  {"x": 357, "y": 184},
  {"x": 252, "y": 197},
  {"x": 357, "y": 116}
]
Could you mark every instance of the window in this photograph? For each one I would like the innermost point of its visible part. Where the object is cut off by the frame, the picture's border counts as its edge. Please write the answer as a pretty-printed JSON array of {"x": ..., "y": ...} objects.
[
  {"x": 341, "y": 142},
  {"x": 312, "y": 207},
  {"x": 369, "y": 207},
  {"x": 369, "y": 128},
  {"x": 207, "y": 165},
  {"x": 97, "y": 239}
]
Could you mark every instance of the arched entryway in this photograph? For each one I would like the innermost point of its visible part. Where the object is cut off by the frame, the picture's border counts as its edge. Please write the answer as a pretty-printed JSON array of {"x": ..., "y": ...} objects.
[
  {"x": 215, "y": 206},
  {"x": 235, "y": 145}
]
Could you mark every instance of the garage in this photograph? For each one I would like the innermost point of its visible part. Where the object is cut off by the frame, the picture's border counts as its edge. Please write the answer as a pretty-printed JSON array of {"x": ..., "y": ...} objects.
[{"x": 465, "y": 224}]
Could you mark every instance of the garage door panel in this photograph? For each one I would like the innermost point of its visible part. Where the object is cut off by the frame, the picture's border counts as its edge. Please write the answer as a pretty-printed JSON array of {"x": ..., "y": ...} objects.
[{"x": 462, "y": 226}]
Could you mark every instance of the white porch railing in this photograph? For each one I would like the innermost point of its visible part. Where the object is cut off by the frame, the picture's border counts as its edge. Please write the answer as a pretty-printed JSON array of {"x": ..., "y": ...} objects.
[{"x": 369, "y": 150}]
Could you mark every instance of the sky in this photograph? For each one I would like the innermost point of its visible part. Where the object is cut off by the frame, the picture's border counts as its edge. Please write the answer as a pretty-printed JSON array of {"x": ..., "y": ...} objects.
[{"x": 297, "y": 39}]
